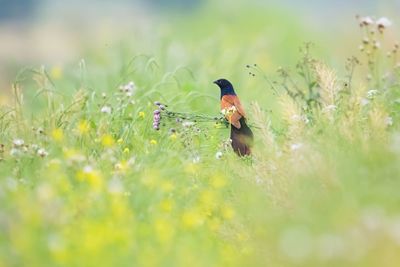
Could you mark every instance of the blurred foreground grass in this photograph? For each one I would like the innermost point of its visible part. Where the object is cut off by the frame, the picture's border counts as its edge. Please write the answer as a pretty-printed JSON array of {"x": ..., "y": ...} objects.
[{"x": 86, "y": 181}]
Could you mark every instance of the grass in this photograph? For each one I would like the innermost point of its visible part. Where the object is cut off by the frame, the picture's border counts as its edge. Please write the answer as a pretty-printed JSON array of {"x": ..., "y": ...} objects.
[{"x": 92, "y": 188}]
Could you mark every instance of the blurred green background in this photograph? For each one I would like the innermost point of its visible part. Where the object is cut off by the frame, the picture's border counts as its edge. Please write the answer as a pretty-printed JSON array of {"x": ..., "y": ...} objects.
[{"x": 267, "y": 32}]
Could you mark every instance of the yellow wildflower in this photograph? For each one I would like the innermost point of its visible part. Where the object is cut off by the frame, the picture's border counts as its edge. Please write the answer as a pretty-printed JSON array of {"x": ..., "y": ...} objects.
[
  {"x": 218, "y": 181},
  {"x": 121, "y": 166},
  {"x": 208, "y": 200},
  {"x": 167, "y": 205},
  {"x": 58, "y": 135},
  {"x": 214, "y": 224},
  {"x": 167, "y": 186},
  {"x": 208, "y": 197},
  {"x": 192, "y": 219},
  {"x": 191, "y": 168},
  {"x": 107, "y": 140},
  {"x": 153, "y": 142},
  {"x": 73, "y": 155},
  {"x": 150, "y": 179},
  {"x": 91, "y": 176},
  {"x": 164, "y": 229},
  {"x": 227, "y": 212},
  {"x": 83, "y": 127},
  {"x": 120, "y": 209},
  {"x": 142, "y": 114}
]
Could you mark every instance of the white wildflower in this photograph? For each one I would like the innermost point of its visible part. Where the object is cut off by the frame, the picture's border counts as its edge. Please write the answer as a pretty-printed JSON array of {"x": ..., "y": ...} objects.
[
  {"x": 218, "y": 155},
  {"x": 196, "y": 159},
  {"x": 106, "y": 109},
  {"x": 259, "y": 180},
  {"x": 35, "y": 147},
  {"x": 372, "y": 93},
  {"x": 228, "y": 111},
  {"x": 42, "y": 152},
  {"x": 296, "y": 146},
  {"x": 115, "y": 186},
  {"x": 88, "y": 169},
  {"x": 131, "y": 161},
  {"x": 364, "y": 102},
  {"x": 18, "y": 142},
  {"x": 15, "y": 152},
  {"x": 187, "y": 124},
  {"x": 296, "y": 117},
  {"x": 128, "y": 88},
  {"x": 119, "y": 166}
]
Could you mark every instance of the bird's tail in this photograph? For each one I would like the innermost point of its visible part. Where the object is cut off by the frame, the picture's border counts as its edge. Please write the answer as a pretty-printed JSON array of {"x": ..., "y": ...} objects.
[{"x": 242, "y": 138}]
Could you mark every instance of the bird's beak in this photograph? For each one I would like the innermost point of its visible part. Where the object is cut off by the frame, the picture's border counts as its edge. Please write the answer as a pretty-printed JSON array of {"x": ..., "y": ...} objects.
[{"x": 216, "y": 82}]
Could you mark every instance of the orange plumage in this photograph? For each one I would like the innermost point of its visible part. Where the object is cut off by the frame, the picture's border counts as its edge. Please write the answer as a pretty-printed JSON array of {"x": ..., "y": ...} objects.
[{"x": 233, "y": 109}]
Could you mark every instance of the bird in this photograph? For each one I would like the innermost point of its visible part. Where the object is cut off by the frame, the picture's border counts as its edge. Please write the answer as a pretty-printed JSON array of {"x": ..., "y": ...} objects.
[{"x": 241, "y": 135}]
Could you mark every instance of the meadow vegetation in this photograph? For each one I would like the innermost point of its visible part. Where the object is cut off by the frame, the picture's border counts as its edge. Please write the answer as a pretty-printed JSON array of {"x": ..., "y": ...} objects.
[{"x": 85, "y": 180}]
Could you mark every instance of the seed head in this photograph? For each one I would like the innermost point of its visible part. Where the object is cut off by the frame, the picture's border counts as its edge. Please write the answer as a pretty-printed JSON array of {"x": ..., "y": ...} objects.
[
  {"x": 365, "y": 21},
  {"x": 383, "y": 23}
]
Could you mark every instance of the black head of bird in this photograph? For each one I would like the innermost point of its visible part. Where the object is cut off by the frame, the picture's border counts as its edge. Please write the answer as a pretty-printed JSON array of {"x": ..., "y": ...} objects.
[{"x": 225, "y": 86}]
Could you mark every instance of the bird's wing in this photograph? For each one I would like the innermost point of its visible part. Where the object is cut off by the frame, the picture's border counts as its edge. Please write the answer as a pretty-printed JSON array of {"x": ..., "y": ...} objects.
[
  {"x": 238, "y": 105},
  {"x": 229, "y": 101}
]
